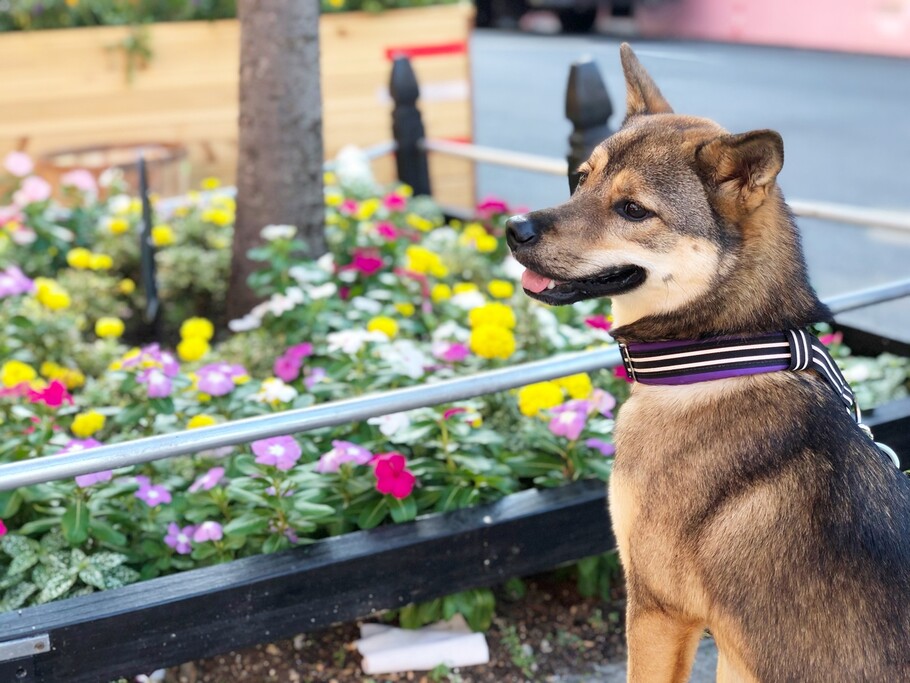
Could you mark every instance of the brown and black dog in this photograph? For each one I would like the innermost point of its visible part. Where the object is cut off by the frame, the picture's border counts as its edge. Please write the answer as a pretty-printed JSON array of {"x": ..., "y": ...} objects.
[{"x": 751, "y": 506}]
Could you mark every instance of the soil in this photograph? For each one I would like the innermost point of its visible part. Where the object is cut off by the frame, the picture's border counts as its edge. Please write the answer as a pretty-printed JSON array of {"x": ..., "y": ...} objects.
[{"x": 546, "y": 634}]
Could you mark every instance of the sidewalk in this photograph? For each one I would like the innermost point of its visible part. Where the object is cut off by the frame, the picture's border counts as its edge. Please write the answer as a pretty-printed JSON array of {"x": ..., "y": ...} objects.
[{"x": 704, "y": 670}]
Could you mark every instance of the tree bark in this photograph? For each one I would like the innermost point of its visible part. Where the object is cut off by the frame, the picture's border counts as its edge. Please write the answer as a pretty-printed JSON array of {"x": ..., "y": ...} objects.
[{"x": 279, "y": 169}]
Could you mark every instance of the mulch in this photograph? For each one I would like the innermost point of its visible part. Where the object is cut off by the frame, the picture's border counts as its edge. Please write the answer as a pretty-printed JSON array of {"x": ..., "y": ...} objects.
[{"x": 548, "y": 632}]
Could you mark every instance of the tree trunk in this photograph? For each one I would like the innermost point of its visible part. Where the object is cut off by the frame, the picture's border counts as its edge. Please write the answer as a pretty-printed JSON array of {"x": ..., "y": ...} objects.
[{"x": 279, "y": 169}]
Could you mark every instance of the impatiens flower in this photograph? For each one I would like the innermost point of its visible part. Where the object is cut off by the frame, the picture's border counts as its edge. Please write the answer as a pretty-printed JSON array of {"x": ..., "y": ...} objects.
[
  {"x": 394, "y": 202},
  {"x": 604, "y": 447},
  {"x": 389, "y": 425},
  {"x": 2, "y": 528},
  {"x": 569, "y": 419},
  {"x": 490, "y": 206},
  {"x": 348, "y": 207},
  {"x": 13, "y": 282},
  {"x": 620, "y": 372},
  {"x": 351, "y": 341},
  {"x": 280, "y": 451},
  {"x": 453, "y": 411},
  {"x": 86, "y": 480},
  {"x": 452, "y": 352},
  {"x": 215, "y": 379},
  {"x": 18, "y": 163},
  {"x": 208, "y": 531},
  {"x": 603, "y": 402},
  {"x": 80, "y": 179},
  {"x": 273, "y": 391},
  {"x": 392, "y": 477},
  {"x": 314, "y": 377},
  {"x": 152, "y": 494},
  {"x": 599, "y": 322},
  {"x": 159, "y": 384},
  {"x": 826, "y": 339},
  {"x": 342, "y": 452},
  {"x": 287, "y": 368},
  {"x": 366, "y": 261},
  {"x": 386, "y": 230},
  {"x": 33, "y": 189},
  {"x": 53, "y": 395},
  {"x": 207, "y": 481},
  {"x": 179, "y": 539}
]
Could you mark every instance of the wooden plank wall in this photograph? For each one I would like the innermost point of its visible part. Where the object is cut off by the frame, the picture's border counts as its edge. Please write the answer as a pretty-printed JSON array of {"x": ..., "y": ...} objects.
[{"x": 68, "y": 88}]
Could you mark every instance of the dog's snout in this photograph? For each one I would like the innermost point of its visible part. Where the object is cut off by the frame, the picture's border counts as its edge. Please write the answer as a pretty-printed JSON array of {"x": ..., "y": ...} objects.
[{"x": 522, "y": 231}]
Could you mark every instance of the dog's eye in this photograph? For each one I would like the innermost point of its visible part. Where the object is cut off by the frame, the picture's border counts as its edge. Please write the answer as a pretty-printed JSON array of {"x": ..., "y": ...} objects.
[
  {"x": 633, "y": 211},
  {"x": 582, "y": 177}
]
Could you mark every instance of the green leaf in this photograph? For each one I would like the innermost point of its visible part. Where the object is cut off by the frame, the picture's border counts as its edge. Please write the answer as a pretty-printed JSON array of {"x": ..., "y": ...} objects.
[
  {"x": 13, "y": 544},
  {"x": 246, "y": 525},
  {"x": 372, "y": 515},
  {"x": 120, "y": 576},
  {"x": 56, "y": 587},
  {"x": 75, "y": 522},
  {"x": 22, "y": 563},
  {"x": 131, "y": 415},
  {"x": 39, "y": 526},
  {"x": 275, "y": 542},
  {"x": 403, "y": 510},
  {"x": 587, "y": 575},
  {"x": 16, "y": 596},
  {"x": 106, "y": 561},
  {"x": 9, "y": 503},
  {"x": 162, "y": 406},
  {"x": 92, "y": 576},
  {"x": 203, "y": 551},
  {"x": 313, "y": 510},
  {"x": 105, "y": 533}
]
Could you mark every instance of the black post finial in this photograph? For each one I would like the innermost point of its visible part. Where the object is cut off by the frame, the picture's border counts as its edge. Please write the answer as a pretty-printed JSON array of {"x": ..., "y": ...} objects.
[
  {"x": 407, "y": 128},
  {"x": 147, "y": 255},
  {"x": 588, "y": 107}
]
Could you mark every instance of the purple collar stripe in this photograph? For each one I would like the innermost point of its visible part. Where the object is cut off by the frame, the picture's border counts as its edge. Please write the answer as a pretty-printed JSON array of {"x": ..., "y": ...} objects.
[{"x": 692, "y": 378}]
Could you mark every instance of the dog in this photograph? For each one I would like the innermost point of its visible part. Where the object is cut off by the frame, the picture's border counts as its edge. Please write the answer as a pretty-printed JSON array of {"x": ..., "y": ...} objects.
[{"x": 752, "y": 506}]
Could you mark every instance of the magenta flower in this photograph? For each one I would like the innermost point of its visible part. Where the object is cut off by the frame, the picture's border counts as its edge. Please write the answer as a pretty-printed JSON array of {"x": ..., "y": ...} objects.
[
  {"x": 394, "y": 202},
  {"x": 569, "y": 419},
  {"x": 342, "y": 452},
  {"x": 280, "y": 451},
  {"x": 54, "y": 395},
  {"x": 392, "y": 477},
  {"x": 491, "y": 206},
  {"x": 179, "y": 539},
  {"x": 215, "y": 379},
  {"x": 13, "y": 282},
  {"x": 2, "y": 528},
  {"x": 826, "y": 339},
  {"x": 158, "y": 383},
  {"x": 208, "y": 531},
  {"x": 208, "y": 481},
  {"x": 348, "y": 207},
  {"x": 152, "y": 494},
  {"x": 604, "y": 447},
  {"x": 387, "y": 230},
  {"x": 314, "y": 376},
  {"x": 453, "y": 411},
  {"x": 367, "y": 261},
  {"x": 452, "y": 352},
  {"x": 287, "y": 368},
  {"x": 620, "y": 372},
  {"x": 599, "y": 322},
  {"x": 300, "y": 351}
]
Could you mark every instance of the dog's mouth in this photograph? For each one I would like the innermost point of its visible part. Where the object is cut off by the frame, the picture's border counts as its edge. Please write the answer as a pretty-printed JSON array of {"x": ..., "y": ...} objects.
[{"x": 609, "y": 282}]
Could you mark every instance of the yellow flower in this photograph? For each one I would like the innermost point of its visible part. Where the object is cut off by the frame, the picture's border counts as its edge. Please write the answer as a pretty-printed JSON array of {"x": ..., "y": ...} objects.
[
  {"x": 192, "y": 349},
  {"x": 182, "y": 211},
  {"x": 486, "y": 244},
  {"x": 86, "y": 424},
  {"x": 71, "y": 378},
  {"x": 492, "y": 341},
  {"x": 14, "y": 372},
  {"x": 501, "y": 289},
  {"x": 384, "y": 324},
  {"x": 200, "y": 421},
  {"x": 577, "y": 386},
  {"x": 118, "y": 226},
  {"x": 405, "y": 190},
  {"x": 329, "y": 178},
  {"x": 210, "y": 183},
  {"x": 366, "y": 209},
  {"x": 50, "y": 294},
  {"x": 163, "y": 235},
  {"x": 197, "y": 328},
  {"x": 462, "y": 287},
  {"x": 220, "y": 217},
  {"x": 126, "y": 286},
  {"x": 493, "y": 313},
  {"x": 337, "y": 4},
  {"x": 109, "y": 328},
  {"x": 440, "y": 292},
  {"x": 79, "y": 257},
  {"x": 405, "y": 308},
  {"x": 419, "y": 222},
  {"x": 422, "y": 260},
  {"x": 101, "y": 262},
  {"x": 536, "y": 397},
  {"x": 135, "y": 206},
  {"x": 471, "y": 233},
  {"x": 333, "y": 198}
]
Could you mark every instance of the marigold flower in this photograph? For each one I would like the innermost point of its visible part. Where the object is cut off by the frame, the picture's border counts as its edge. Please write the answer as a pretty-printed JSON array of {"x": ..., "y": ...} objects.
[
  {"x": 422, "y": 260},
  {"x": 492, "y": 341},
  {"x": 486, "y": 244},
  {"x": 198, "y": 328},
  {"x": 494, "y": 313},
  {"x": 163, "y": 235},
  {"x": 577, "y": 386},
  {"x": 392, "y": 477},
  {"x": 419, "y": 222},
  {"x": 329, "y": 178},
  {"x": 15, "y": 372},
  {"x": 118, "y": 225},
  {"x": 539, "y": 396},
  {"x": 501, "y": 289},
  {"x": 366, "y": 209},
  {"x": 101, "y": 262},
  {"x": 210, "y": 183},
  {"x": 440, "y": 292},
  {"x": 192, "y": 348},
  {"x": 126, "y": 286},
  {"x": 109, "y": 328},
  {"x": 464, "y": 287},
  {"x": 198, "y": 421},
  {"x": 384, "y": 324},
  {"x": 405, "y": 308},
  {"x": 51, "y": 295},
  {"x": 87, "y": 423},
  {"x": 220, "y": 217},
  {"x": 80, "y": 257}
]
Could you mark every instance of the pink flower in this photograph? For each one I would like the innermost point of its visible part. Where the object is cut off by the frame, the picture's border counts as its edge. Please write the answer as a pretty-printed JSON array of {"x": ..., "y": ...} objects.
[
  {"x": 179, "y": 539},
  {"x": 314, "y": 377},
  {"x": 342, "y": 452},
  {"x": 217, "y": 379},
  {"x": 392, "y": 477},
  {"x": 599, "y": 322},
  {"x": 287, "y": 368},
  {"x": 33, "y": 189},
  {"x": 394, "y": 202},
  {"x": 348, "y": 207},
  {"x": 604, "y": 447},
  {"x": 2, "y": 528},
  {"x": 386, "y": 230},
  {"x": 453, "y": 352},
  {"x": 569, "y": 419},
  {"x": 208, "y": 531},
  {"x": 620, "y": 372},
  {"x": 152, "y": 494},
  {"x": 280, "y": 451},
  {"x": 491, "y": 206},
  {"x": 81, "y": 180},
  {"x": 826, "y": 339},
  {"x": 300, "y": 350},
  {"x": 367, "y": 261},
  {"x": 54, "y": 395},
  {"x": 453, "y": 411},
  {"x": 14, "y": 282},
  {"x": 158, "y": 383},
  {"x": 603, "y": 402},
  {"x": 86, "y": 480},
  {"x": 19, "y": 164},
  {"x": 208, "y": 481}
]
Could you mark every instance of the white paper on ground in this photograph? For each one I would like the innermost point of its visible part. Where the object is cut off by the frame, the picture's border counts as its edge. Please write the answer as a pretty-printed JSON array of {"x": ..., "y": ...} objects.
[{"x": 386, "y": 649}]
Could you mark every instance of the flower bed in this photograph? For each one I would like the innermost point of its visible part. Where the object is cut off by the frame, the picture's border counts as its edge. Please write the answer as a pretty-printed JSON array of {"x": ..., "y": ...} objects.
[{"x": 402, "y": 298}]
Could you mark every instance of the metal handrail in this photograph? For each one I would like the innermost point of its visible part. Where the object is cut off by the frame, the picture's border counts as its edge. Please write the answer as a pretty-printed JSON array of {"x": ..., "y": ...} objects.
[{"x": 115, "y": 456}]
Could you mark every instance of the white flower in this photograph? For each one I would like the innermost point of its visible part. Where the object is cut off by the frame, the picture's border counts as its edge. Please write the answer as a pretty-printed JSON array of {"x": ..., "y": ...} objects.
[
  {"x": 326, "y": 262},
  {"x": 279, "y": 304},
  {"x": 451, "y": 330},
  {"x": 468, "y": 300},
  {"x": 367, "y": 305},
  {"x": 274, "y": 391},
  {"x": 512, "y": 268},
  {"x": 859, "y": 372},
  {"x": 390, "y": 424},
  {"x": 278, "y": 232},
  {"x": 306, "y": 273},
  {"x": 351, "y": 341},
  {"x": 405, "y": 358},
  {"x": 325, "y": 291},
  {"x": 119, "y": 203}
]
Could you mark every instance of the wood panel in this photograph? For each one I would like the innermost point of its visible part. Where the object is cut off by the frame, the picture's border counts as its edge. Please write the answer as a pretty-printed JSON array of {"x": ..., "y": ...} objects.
[{"x": 68, "y": 88}]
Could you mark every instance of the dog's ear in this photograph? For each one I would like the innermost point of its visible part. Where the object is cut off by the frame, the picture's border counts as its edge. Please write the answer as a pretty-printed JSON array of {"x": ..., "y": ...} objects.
[
  {"x": 642, "y": 94},
  {"x": 742, "y": 165}
]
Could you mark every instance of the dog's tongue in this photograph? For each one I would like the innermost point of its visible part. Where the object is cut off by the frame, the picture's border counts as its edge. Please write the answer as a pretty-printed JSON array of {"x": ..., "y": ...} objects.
[{"x": 534, "y": 282}]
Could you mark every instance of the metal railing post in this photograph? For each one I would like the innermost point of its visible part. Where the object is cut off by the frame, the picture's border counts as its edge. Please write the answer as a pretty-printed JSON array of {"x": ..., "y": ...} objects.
[
  {"x": 407, "y": 128},
  {"x": 589, "y": 108}
]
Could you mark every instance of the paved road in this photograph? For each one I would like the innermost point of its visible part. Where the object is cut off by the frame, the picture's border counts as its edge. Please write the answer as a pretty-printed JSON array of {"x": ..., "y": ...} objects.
[
  {"x": 704, "y": 670},
  {"x": 845, "y": 120}
]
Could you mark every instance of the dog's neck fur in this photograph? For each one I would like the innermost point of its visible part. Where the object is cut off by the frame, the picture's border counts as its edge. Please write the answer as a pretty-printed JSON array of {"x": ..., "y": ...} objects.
[{"x": 767, "y": 251}]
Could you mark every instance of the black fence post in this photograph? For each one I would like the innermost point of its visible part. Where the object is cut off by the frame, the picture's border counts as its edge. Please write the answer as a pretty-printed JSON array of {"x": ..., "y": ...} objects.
[
  {"x": 588, "y": 107},
  {"x": 147, "y": 256},
  {"x": 407, "y": 128}
]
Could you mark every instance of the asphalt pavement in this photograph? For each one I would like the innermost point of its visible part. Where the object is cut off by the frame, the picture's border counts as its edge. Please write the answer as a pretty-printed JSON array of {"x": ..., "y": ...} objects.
[{"x": 845, "y": 120}]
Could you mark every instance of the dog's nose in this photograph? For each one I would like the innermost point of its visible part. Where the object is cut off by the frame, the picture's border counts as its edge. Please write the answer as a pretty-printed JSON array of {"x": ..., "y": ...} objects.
[{"x": 521, "y": 231}]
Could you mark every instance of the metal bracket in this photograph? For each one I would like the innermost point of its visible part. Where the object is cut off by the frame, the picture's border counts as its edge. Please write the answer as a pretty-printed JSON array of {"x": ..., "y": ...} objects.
[{"x": 17, "y": 658}]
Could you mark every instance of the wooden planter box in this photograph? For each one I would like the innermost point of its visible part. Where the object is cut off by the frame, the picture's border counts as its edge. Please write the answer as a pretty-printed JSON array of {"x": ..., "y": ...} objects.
[
  {"x": 203, "y": 612},
  {"x": 68, "y": 88}
]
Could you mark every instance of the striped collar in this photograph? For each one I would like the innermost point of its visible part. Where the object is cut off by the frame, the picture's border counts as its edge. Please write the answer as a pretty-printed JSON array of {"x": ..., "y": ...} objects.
[{"x": 688, "y": 362}]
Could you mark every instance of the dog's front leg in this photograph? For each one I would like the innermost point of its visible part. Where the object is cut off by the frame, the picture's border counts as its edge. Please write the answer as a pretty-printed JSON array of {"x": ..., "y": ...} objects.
[{"x": 661, "y": 648}]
